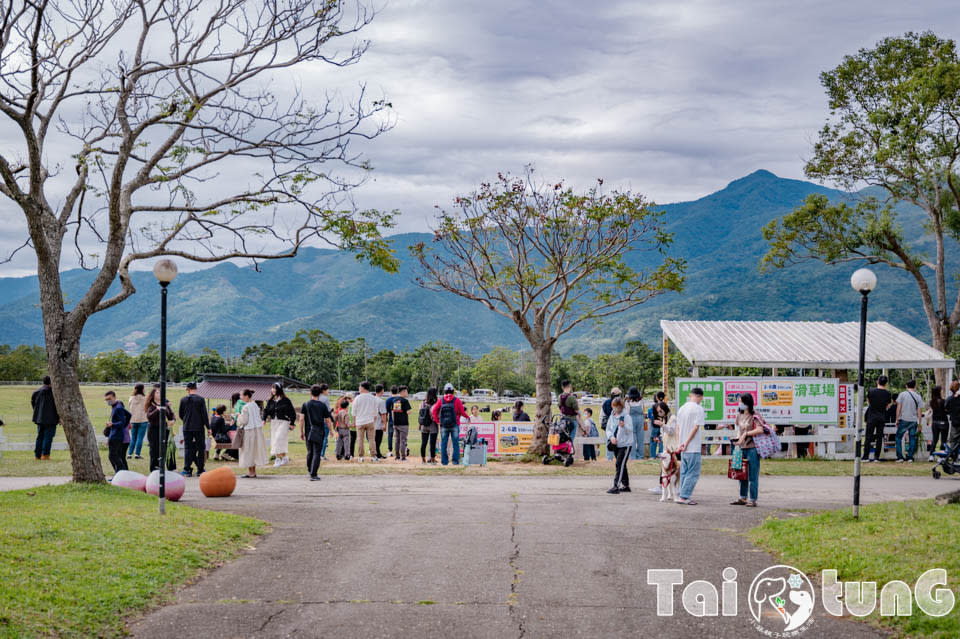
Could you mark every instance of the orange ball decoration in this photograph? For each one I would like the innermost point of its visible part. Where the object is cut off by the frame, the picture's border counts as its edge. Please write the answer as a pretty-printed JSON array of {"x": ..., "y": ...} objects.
[{"x": 219, "y": 482}]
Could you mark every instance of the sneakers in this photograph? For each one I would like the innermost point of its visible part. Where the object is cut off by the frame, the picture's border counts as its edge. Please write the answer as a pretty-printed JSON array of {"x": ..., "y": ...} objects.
[
  {"x": 656, "y": 491},
  {"x": 910, "y": 460},
  {"x": 137, "y": 457},
  {"x": 931, "y": 459},
  {"x": 360, "y": 460},
  {"x": 899, "y": 460},
  {"x": 625, "y": 489},
  {"x": 314, "y": 478},
  {"x": 186, "y": 473},
  {"x": 276, "y": 462},
  {"x": 285, "y": 460},
  {"x": 613, "y": 491}
]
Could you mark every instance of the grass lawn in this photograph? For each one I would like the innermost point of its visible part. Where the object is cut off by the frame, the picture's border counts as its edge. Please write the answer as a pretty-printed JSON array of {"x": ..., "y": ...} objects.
[
  {"x": 15, "y": 411},
  {"x": 905, "y": 540},
  {"x": 82, "y": 561}
]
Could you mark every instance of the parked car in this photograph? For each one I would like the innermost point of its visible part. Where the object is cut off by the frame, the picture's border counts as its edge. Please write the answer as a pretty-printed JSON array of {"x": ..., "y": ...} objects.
[
  {"x": 509, "y": 393},
  {"x": 422, "y": 395}
]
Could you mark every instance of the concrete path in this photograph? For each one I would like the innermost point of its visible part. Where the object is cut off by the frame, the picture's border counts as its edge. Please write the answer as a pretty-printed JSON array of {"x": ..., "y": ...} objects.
[{"x": 421, "y": 556}]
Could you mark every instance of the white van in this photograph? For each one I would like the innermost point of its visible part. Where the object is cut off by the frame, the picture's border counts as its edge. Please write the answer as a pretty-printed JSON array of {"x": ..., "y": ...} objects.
[{"x": 483, "y": 393}]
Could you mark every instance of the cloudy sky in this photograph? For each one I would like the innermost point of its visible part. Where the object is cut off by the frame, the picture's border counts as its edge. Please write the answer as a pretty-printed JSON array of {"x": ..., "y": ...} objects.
[{"x": 670, "y": 98}]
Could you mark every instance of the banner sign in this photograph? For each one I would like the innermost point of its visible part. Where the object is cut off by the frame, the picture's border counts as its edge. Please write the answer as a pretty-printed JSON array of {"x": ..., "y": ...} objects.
[
  {"x": 503, "y": 438},
  {"x": 781, "y": 400}
]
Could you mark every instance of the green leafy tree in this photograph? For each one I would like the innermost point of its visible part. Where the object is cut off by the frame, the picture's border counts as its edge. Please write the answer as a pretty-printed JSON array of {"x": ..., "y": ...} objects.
[
  {"x": 649, "y": 363},
  {"x": 550, "y": 259},
  {"x": 435, "y": 364},
  {"x": 495, "y": 369},
  {"x": 208, "y": 361},
  {"x": 23, "y": 363},
  {"x": 114, "y": 367},
  {"x": 894, "y": 124}
]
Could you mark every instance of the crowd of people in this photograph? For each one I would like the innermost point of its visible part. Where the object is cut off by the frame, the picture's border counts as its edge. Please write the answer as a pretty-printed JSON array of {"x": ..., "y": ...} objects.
[{"x": 359, "y": 422}]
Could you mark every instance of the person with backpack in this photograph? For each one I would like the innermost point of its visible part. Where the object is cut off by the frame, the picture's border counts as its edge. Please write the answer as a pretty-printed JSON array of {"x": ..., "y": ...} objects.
[
  {"x": 748, "y": 425},
  {"x": 909, "y": 403},
  {"x": 315, "y": 424},
  {"x": 653, "y": 418},
  {"x": 118, "y": 425},
  {"x": 620, "y": 438},
  {"x": 428, "y": 428},
  {"x": 939, "y": 421},
  {"x": 447, "y": 413},
  {"x": 634, "y": 406},
  {"x": 569, "y": 408}
]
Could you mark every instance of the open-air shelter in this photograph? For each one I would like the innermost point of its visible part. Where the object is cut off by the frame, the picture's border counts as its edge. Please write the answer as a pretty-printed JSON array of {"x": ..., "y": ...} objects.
[{"x": 831, "y": 349}]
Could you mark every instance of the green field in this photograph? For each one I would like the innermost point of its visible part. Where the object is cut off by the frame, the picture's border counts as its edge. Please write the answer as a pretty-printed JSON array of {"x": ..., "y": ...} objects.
[
  {"x": 62, "y": 549},
  {"x": 15, "y": 411},
  {"x": 891, "y": 541}
]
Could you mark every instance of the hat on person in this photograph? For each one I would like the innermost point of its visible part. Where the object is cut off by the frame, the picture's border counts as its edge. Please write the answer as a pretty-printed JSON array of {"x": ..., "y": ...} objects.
[
  {"x": 448, "y": 388},
  {"x": 615, "y": 391},
  {"x": 633, "y": 394},
  {"x": 192, "y": 385}
]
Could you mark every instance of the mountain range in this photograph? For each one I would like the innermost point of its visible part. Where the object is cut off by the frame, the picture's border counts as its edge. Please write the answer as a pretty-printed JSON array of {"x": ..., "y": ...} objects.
[{"x": 228, "y": 307}]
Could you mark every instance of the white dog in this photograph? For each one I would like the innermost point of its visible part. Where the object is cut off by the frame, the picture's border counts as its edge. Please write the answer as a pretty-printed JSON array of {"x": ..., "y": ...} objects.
[{"x": 669, "y": 462}]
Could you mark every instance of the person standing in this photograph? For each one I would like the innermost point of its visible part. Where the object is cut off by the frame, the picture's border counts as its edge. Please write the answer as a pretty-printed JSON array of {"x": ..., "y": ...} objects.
[
  {"x": 390, "y": 401},
  {"x": 429, "y": 428},
  {"x": 878, "y": 400},
  {"x": 748, "y": 425},
  {"x": 447, "y": 413},
  {"x": 518, "y": 413},
  {"x": 380, "y": 425},
  {"x": 605, "y": 410},
  {"x": 691, "y": 419},
  {"x": 137, "y": 405},
  {"x": 154, "y": 418},
  {"x": 315, "y": 423},
  {"x": 119, "y": 423},
  {"x": 620, "y": 434},
  {"x": 46, "y": 417},
  {"x": 656, "y": 445},
  {"x": 253, "y": 449},
  {"x": 282, "y": 416},
  {"x": 325, "y": 398},
  {"x": 569, "y": 409},
  {"x": 589, "y": 429},
  {"x": 634, "y": 406},
  {"x": 196, "y": 423},
  {"x": 939, "y": 421},
  {"x": 366, "y": 412},
  {"x": 908, "y": 419},
  {"x": 342, "y": 423},
  {"x": 952, "y": 406},
  {"x": 400, "y": 417}
]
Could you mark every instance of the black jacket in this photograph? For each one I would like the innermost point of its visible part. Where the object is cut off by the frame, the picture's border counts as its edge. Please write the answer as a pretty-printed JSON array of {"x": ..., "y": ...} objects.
[
  {"x": 193, "y": 413},
  {"x": 280, "y": 409},
  {"x": 953, "y": 410},
  {"x": 154, "y": 412},
  {"x": 44, "y": 408}
]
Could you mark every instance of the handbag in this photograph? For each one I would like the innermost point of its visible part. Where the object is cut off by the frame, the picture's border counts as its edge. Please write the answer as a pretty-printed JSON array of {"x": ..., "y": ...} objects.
[
  {"x": 106, "y": 431},
  {"x": 739, "y": 475},
  {"x": 768, "y": 443},
  {"x": 238, "y": 438}
]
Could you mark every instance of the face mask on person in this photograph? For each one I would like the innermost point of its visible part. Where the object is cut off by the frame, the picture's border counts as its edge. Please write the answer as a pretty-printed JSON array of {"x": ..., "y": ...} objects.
[{"x": 743, "y": 408}]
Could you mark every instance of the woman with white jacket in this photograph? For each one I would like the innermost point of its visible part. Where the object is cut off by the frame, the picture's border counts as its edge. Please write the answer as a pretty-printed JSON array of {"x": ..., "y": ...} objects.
[{"x": 253, "y": 452}]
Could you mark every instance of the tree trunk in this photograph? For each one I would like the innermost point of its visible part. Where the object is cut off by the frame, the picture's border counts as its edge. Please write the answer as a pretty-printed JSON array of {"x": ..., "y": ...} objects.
[
  {"x": 942, "y": 333},
  {"x": 542, "y": 355},
  {"x": 63, "y": 359}
]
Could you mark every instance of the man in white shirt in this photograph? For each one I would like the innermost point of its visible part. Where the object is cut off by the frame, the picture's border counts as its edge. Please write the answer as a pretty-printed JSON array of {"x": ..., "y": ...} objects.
[
  {"x": 366, "y": 411},
  {"x": 691, "y": 419},
  {"x": 380, "y": 425}
]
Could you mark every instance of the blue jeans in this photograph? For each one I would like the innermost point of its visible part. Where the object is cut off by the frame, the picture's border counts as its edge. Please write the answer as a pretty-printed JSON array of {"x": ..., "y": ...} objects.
[
  {"x": 323, "y": 445},
  {"x": 45, "y": 433},
  {"x": 689, "y": 473},
  {"x": 639, "y": 449},
  {"x": 655, "y": 447},
  {"x": 909, "y": 428},
  {"x": 137, "y": 431},
  {"x": 753, "y": 474},
  {"x": 445, "y": 435}
]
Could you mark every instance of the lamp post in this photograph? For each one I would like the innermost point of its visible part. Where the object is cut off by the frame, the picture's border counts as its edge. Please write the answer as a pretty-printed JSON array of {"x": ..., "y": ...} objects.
[
  {"x": 165, "y": 271},
  {"x": 863, "y": 281}
]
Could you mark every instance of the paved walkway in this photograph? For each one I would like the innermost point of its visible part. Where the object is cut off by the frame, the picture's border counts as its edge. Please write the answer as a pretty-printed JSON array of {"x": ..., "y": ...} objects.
[{"x": 421, "y": 556}]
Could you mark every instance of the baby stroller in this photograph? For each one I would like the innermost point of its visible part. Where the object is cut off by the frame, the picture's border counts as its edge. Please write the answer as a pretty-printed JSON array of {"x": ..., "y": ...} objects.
[
  {"x": 560, "y": 440},
  {"x": 947, "y": 461}
]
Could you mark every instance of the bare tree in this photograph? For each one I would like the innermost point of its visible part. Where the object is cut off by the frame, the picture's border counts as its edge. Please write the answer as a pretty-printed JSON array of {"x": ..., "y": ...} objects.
[
  {"x": 550, "y": 260},
  {"x": 176, "y": 146}
]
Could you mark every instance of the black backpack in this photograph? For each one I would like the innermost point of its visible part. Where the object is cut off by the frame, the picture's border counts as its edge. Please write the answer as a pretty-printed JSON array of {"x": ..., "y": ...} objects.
[
  {"x": 424, "y": 418},
  {"x": 448, "y": 413}
]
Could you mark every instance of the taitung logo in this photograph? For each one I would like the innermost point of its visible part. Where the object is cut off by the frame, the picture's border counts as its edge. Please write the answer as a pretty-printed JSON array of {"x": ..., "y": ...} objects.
[{"x": 781, "y": 600}]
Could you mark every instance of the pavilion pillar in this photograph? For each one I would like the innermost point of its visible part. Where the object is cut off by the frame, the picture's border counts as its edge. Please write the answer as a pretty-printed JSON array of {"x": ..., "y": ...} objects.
[{"x": 666, "y": 366}]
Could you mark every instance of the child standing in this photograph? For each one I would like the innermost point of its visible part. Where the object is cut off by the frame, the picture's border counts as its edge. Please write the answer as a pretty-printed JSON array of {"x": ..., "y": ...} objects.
[
  {"x": 588, "y": 428},
  {"x": 342, "y": 422}
]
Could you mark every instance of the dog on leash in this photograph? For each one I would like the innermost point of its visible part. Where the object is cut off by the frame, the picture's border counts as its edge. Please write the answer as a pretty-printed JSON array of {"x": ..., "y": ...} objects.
[{"x": 669, "y": 462}]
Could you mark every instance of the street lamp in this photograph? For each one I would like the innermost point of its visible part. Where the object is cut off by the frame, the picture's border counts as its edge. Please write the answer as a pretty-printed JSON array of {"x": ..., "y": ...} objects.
[
  {"x": 863, "y": 281},
  {"x": 165, "y": 271}
]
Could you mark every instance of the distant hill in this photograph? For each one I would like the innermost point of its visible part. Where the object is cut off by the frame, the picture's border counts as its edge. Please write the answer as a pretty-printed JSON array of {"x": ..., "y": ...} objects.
[{"x": 228, "y": 307}]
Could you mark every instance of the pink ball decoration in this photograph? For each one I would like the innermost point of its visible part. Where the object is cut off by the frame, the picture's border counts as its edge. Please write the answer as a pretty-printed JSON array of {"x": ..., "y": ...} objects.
[
  {"x": 176, "y": 485},
  {"x": 130, "y": 479}
]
